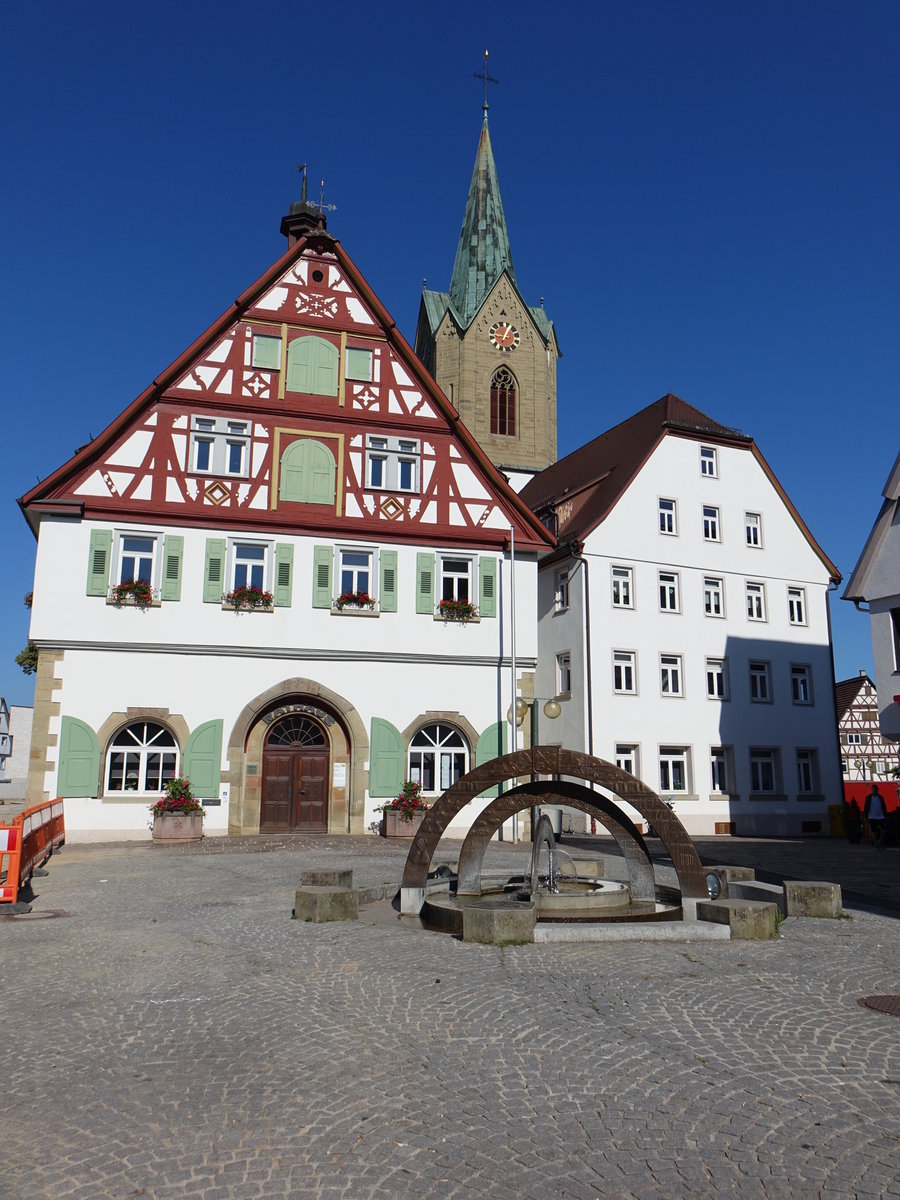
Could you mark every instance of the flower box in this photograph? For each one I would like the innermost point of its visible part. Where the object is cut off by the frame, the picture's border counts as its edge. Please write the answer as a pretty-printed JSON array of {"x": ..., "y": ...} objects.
[
  {"x": 248, "y": 599},
  {"x": 171, "y": 828},
  {"x": 394, "y": 826},
  {"x": 177, "y": 816},
  {"x": 459, "y": 611}
]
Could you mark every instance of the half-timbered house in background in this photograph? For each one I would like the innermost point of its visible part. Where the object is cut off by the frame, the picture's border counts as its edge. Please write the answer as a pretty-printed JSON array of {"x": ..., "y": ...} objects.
[
  {"x": 867, "y": 756},
  {"x": 298, "y": 456}
]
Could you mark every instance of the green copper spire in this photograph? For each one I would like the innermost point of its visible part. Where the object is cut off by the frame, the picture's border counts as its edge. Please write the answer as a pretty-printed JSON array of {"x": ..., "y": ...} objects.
[{"x": 483, "y": 252}]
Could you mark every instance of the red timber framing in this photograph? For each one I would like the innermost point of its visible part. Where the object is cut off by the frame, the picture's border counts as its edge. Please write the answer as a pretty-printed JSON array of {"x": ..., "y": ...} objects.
[{"x": 308, "y": 352}]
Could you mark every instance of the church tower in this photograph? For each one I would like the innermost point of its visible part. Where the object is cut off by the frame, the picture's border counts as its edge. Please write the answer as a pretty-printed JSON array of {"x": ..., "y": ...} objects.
[{"x": 493, "y": 354}]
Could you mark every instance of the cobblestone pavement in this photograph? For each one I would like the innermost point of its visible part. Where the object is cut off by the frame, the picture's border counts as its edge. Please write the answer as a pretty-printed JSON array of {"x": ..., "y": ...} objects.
[{"x": 171, "y": 1033}]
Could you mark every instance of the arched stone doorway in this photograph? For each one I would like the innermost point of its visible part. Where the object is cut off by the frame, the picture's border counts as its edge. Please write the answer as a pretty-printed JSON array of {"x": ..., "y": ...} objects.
[
  {"x": 295, "y": 776},
  {"x": 344, "y": 776}
]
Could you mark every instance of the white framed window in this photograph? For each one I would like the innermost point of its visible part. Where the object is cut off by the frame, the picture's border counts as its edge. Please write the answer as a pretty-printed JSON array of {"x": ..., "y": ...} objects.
[
  {"x": 623, "y": 587},
  {"x": 764, "y": 770},
  {"x": 721, "y": 769},
  {"x": 801, "y": 683},
  {"x": 710, "y": 523},
  {"x": 756, "y": 601},
  {"x": 895, "y": 635},
  {"x": 753, "y": 529},
  {"x": 358, "y": 365},
  {"x": 355, "y": 571},
  {"x": 670, "y": 675},
  {"x": 564, "y": 674},
  {"x": 760, "y": 682},
  {"x": 709, "y": 462},
  {"x": 219, "y": 446},
  {"x": 625, "y": 672},
  {"x": 628, "y": 758},
  {"x": 669, "y": 596},
  {"x": 854, "y": 739},
  {"x": 797, "y": 605},
  {"x": 249, "y": 565},
  {"x": 455, "y": 578},
  {"x": 561, "y": 597},
  {"x": 392, "y": 464},
  {"x": 808, "y": 772},
  {"x": 713, "y": 596},
  {"x": 717, "y": 678},
  {"x": 137, "y": 557},
  {"x": 438, "y": 756},
  {"x": 266, "y": 352},
  {"x": 142, "y": 757},
  {"x": 668, "y": 517},
  {"x": 674, "y": 768}
]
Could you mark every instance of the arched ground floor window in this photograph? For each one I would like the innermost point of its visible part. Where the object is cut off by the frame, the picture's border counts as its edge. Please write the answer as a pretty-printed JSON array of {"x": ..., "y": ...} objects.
[
  {"x": 142, "y": 757},
  {"x": 438, "y": 756}
]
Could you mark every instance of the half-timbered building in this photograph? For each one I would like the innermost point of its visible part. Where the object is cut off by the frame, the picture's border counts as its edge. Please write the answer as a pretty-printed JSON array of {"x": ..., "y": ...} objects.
[
  {"x": 867, "y": 756},
  {"x": 294, "y": 574}
]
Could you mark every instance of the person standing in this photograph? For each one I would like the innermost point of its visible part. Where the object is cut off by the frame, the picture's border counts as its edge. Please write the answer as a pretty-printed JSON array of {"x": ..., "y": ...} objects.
[{"x": 875, "y": 812}]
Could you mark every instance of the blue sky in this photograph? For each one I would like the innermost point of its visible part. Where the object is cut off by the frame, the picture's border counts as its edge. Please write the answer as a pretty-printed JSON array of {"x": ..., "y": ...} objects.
[{"x": 705, "y": 195}]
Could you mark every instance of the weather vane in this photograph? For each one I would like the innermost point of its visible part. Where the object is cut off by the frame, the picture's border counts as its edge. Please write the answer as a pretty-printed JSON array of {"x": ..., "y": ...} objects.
[
  {"x": 321, "y": 206},
  {"x": 483, "y": 75}
]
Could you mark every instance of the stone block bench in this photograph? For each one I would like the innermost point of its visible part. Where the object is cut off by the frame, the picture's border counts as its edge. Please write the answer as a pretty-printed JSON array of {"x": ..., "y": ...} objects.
[
  {"x": 811, "y": 898},
  {"x": 751, "y": 920},
  {"x": 326, "y": 895}
]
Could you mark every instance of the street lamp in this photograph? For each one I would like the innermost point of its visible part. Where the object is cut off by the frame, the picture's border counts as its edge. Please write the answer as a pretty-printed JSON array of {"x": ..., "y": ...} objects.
[{"x": 552, "y": 709}]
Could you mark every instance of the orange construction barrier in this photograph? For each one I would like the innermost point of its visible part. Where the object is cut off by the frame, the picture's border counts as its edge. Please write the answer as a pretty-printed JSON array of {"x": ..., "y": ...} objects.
[{"x": 27, "y": 842}]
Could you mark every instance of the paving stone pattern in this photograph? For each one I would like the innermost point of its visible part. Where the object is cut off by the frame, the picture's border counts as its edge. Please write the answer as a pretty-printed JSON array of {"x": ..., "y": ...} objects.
[{"x": 177, "y": 1035}]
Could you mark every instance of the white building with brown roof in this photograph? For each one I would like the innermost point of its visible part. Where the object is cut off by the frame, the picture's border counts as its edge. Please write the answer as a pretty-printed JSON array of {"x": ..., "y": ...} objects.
[{"x": 683, "y": 623}]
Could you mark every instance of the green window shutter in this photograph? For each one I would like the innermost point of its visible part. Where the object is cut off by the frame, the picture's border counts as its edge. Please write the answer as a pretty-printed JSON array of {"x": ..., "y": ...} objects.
[
  {"x": 387, "y": 759},
  {"x": 202, "y": 761},
  {"x": 266, "y": 352},
  {"x": 487, "y": 587},
  {"x": 308, "y": 473},
  {"x": 323, "y": 557},
  {"x": 359, "y": 364},
  {"x": 424, "y": 583},
  {"x": 491, "y": 744},
  {"x": 214, "y": 571},
  {"x": 284, "y": 571},
  {"x": 79, "y": 760},
  {"x": 170, "y": 584},
  {"x": 388, "y": 593},
  {"x": 98, "y": 562},
  {"x": 313, "y": 366}
]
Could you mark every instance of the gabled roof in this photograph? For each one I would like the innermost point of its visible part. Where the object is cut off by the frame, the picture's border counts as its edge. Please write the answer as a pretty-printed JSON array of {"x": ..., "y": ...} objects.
[
  {"x": 43, "y": 497},
  {"x": 846, "y": 691},
  {"x": 483, "y": 253},
  {"x": 584, "y": 487},
  {"x": 858, "y": 584}
]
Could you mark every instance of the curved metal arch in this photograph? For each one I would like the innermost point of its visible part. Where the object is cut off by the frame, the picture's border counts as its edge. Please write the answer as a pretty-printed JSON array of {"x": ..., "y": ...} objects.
[
  {"x": 640, "y": 870},
  {"x": 556, "y": 760}
]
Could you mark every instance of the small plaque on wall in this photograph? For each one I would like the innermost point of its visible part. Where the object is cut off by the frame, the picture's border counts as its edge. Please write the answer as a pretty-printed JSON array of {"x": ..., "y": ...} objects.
[
  {"x": 340, "y": 774},
  {"x": 252, "y": 768}
]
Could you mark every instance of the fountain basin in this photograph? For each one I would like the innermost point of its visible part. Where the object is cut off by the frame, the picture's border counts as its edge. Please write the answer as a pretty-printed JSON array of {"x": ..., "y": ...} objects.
[{"x": 581, "y": 897}]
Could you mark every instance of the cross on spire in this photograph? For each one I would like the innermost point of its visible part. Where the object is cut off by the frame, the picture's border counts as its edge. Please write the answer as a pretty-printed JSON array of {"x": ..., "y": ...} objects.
[{"x": 483, "y": 75}]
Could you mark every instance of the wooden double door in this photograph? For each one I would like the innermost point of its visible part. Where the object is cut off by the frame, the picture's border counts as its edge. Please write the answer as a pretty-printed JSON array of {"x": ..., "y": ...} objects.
[{"x": 295, "y": 783}]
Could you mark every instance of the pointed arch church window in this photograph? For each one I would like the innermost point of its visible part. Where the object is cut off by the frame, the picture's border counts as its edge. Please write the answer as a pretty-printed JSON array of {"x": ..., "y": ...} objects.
[
  {"x": 503, "y": 403},
  {"x": 313, "y": 366}
]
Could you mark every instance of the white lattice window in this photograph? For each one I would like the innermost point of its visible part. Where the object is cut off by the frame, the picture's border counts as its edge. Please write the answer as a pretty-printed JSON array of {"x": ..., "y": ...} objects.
[{"x": 623, "y": 587}]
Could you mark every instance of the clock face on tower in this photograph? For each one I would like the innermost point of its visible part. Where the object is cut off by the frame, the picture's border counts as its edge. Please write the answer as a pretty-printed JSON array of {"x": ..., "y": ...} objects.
[{"x": 504, "y": 335}]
